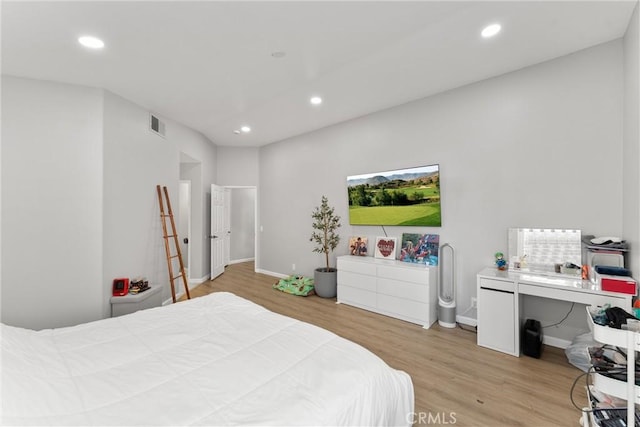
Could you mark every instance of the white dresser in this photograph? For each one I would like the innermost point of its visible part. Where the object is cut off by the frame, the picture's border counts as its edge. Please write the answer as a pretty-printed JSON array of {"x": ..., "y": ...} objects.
[{"x": 398, "y": 289}]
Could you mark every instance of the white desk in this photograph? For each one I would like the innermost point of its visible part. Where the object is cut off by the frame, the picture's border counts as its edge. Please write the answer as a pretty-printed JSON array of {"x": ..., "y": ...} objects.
[{"x": 500, "y": 303}]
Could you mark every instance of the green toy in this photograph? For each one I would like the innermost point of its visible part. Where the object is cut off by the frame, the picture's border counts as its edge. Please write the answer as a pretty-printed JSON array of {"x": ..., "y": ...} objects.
[
  {"x": 295, "y": 285},
  {"x": 500, "y": 262}
]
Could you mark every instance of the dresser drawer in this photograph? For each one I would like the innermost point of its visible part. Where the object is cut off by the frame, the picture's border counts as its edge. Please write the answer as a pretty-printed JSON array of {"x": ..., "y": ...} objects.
[
  {"x": 401, "y": 308},
  {"x": 410, "y": 274},
  {"x": 498, "y": 285},
  {"x": 356, "y": 280},
  {"x": 356, "y": 267},
  {"x": 404, "y": 290},
  {"x": 356, "y": 296}
]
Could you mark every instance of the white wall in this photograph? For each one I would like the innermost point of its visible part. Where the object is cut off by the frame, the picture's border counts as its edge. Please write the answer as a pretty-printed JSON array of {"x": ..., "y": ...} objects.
[
  {"x": 238, "y": 166},
  {"x": 540, "y": 147},
  {"x": 79, "y": 201},
  {"x": 135, "y": 161},
  {"x": 202, "y": 174},
  {"x": 52, "y": 205},
  {"x": 631, "y": 147}
]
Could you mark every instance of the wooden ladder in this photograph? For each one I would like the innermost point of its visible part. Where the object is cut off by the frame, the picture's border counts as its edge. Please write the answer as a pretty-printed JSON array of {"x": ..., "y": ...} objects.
[{"x": 167, "y": 245}]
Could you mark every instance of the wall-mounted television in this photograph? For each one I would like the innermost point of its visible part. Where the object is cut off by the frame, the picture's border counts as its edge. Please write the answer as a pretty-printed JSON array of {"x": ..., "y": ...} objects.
[{"x": 396, "y": 197}]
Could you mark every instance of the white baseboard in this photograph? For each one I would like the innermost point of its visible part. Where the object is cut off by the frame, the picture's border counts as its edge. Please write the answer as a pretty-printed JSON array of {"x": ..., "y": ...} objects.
[
  {"x": 469, "y": 317},
  {"x": 271, "y": 273},
  {"x": 193, "y": 282},
  {"x": 469, "y": 321},
  {"x": 238, "y": 261},
  {"x": 556, "y": 342}
]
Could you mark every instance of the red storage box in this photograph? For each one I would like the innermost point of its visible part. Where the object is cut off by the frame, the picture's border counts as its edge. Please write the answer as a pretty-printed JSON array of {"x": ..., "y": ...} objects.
[{"x": 624, "y": 285}]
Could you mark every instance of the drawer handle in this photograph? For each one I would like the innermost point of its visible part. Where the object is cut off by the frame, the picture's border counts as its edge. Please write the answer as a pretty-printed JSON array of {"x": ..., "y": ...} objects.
[{"x": 497, "y": 290}]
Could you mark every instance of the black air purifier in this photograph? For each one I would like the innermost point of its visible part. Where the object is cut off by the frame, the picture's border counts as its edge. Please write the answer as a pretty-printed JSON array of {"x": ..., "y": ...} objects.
[{"x": 532, "y": 338}]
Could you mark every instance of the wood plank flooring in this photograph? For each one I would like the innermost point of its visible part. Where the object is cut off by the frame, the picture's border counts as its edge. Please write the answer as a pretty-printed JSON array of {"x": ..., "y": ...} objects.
[{"x": 455, "y": 381}]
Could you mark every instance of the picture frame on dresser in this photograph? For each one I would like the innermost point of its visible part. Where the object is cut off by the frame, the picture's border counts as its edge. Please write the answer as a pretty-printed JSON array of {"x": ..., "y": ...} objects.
[
  {"x": 358, "y": 246},
  {"x": 420, "y": 248},
  {"x": 385, "y": 248}
]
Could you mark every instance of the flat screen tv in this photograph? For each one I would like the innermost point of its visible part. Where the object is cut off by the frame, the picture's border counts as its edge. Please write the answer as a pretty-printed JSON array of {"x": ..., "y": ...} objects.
[{"x": 396, "y": 197}]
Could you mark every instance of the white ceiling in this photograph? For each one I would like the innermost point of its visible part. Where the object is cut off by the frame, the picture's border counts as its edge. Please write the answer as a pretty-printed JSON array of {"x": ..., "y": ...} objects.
[{"x": 209, "y": 64}]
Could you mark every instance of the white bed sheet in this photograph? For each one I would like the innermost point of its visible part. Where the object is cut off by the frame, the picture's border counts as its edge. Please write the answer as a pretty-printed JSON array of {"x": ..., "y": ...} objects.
[{"x": 214, "y": 360}]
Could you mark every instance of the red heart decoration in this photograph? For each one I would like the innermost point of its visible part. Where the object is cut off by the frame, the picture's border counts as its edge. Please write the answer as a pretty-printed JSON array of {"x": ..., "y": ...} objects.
[{"x": 386, "y": 247}]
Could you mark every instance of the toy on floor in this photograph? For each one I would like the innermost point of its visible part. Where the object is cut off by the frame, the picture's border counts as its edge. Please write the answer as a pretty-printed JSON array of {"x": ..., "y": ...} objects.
[{"x": 296, "y": 285}]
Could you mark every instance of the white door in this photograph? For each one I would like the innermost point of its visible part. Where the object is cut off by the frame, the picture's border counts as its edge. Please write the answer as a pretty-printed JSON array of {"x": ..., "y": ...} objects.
[{"x": 217, "y": 230}]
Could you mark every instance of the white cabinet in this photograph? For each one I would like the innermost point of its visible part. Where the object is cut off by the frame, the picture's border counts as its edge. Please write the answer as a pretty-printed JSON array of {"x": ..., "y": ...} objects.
[
  {"x": 394, "y": 288},
  {"x": 497, "y": 318}
]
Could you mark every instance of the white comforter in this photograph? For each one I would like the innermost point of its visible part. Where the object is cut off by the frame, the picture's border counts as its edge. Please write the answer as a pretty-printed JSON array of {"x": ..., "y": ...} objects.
[{"x": 214, "y": 360}]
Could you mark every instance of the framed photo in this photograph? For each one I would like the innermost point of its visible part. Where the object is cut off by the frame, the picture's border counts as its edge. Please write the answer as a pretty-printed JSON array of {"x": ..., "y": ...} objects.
[
  {"x": 420, "y": 248},
  {"x": 385, "y": 247},
  {"x": 358, "y": 246}
]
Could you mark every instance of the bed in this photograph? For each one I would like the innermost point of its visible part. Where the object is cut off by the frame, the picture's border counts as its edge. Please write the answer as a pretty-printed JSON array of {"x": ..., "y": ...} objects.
[{"x": 213, "y": 360}]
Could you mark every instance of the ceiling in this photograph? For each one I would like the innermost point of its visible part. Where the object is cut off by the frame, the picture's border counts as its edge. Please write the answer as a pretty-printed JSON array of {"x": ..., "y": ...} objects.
[{"x": 210, "y": 65}]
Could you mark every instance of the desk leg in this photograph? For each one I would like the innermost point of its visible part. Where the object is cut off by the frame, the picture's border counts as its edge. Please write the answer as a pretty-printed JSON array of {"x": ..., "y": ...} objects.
[{"x": 520, "y": 322}]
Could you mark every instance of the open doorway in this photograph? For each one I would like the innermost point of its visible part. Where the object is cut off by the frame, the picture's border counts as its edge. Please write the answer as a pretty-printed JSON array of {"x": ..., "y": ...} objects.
[
  {"x": 184, "y": 223},
  {"x": 242, "y": 224},
  {"x": 190, "y": 221}
]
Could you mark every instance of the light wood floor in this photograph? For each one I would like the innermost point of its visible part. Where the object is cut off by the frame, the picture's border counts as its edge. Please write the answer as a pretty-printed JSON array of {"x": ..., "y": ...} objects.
[{"x": 455, "y": 381}]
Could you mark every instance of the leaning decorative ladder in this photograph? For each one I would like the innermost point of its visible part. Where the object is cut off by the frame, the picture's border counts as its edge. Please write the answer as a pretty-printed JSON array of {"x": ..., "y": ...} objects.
[{"x": 167, "y": 246}]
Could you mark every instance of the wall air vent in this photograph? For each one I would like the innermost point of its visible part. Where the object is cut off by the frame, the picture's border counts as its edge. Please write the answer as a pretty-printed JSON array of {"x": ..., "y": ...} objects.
[{"x": 156, "y": 125}]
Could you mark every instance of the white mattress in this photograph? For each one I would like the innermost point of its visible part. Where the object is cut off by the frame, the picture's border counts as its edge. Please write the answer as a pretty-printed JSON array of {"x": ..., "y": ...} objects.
[{"x": 214, "y": 360}]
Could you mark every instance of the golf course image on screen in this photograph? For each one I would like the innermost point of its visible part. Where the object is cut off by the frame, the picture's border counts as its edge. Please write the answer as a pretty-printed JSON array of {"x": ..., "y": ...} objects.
[{"x": 396, "y": 197}]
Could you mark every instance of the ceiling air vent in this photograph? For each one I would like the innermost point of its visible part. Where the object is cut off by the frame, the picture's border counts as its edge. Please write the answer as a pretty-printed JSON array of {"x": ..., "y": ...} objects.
[{"x": 156, "y": 125}]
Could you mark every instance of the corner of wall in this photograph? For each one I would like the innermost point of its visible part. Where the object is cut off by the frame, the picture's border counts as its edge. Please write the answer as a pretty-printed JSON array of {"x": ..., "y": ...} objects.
[{"x": 631, "y": 139}]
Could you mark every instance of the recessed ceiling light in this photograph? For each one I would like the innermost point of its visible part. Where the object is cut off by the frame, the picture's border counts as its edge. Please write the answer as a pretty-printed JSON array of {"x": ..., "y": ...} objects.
[
  {"x": 245, "y": 129},
  {"x": 316, "y": 100},
  {"x": 237, "y": 132},
  {"x": 279, "y": 54},
  {"x": 491, "y": 30},
  {"x": 91, "y": 42}
]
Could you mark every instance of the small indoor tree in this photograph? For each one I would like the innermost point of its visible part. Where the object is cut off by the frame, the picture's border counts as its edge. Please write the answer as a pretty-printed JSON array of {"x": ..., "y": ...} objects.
[{"x": 325, "y": 224}]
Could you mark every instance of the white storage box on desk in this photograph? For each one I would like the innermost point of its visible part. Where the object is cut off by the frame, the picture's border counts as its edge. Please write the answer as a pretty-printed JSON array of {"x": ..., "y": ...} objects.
[{"x": 629, "y": 341}]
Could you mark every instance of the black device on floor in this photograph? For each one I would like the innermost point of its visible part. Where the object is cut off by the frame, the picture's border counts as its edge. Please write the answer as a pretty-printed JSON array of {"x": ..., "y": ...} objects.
[{"x": 532, "y": 338}]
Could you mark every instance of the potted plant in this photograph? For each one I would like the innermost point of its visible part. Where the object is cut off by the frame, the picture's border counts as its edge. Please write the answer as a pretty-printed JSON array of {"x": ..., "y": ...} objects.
[{"x": 325, "y": 224}]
